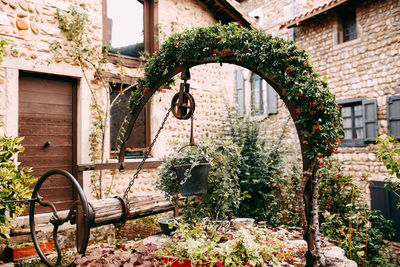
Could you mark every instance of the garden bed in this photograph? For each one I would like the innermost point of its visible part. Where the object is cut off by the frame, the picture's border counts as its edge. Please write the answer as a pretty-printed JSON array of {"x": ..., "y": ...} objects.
[{"x": 286, "y": 247}]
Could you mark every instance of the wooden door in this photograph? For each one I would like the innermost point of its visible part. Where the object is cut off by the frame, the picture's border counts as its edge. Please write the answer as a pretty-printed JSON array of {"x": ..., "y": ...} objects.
[{"x": 47, "y": 112}]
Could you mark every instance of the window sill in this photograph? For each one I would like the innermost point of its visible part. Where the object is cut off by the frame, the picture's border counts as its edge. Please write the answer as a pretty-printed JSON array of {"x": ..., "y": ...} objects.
[
  {"x": 258, "y": 117},
  {"x": 130, "y": 164},
  {"x": 353, "y": 143},
  {"x": 130, "y": 62}
]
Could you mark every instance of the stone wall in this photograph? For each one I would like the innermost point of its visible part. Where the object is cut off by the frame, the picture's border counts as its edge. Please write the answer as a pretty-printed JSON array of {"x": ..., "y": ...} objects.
[
  {"x": 31, "y": 26},
  {"x": 367, "y": 67}
]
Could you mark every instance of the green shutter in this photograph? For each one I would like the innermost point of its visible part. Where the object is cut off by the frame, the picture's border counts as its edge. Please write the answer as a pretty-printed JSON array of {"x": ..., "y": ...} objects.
[
  {"x": 393, "y": 111},
  {"x": 370, "y": 119}
]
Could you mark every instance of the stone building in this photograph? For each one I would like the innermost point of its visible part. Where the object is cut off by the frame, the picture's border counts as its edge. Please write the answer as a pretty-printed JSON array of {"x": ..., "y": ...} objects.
[
  {"x": 52, "y": 105},
  {"x": 356, "y": 45}
]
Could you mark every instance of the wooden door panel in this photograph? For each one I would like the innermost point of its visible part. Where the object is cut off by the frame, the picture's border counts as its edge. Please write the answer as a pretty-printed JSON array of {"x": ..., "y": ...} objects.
[{"x": 46, "y": 113}]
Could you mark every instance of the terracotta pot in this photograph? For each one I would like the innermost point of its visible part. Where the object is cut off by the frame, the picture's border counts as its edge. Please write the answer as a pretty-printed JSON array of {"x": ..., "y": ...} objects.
[
  {"x": 28, "y": 251},
  {"x": 175, "y": 262}
]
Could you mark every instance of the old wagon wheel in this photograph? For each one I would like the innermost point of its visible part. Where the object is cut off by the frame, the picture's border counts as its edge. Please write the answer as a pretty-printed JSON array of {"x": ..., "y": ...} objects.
[{"x": 79, "y": 214}]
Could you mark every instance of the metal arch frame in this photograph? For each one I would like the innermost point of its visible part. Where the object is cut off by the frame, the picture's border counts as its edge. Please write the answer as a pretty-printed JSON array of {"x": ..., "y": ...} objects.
[
  {"x": 82, "y": 220},
  {"x": 309, "y": 165}
]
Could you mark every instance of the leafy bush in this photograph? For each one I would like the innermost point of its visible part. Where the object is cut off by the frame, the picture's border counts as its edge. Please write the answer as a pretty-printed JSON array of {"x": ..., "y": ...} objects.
[
  {"x": 261, "y": 170},
  {"x": 216, "y": 244},
  {"x": 14, "y": 183},
  {"x": 223, "y": 193},
  {"x": 388, "y": 152},
  {"x": 346, "y": 219}
]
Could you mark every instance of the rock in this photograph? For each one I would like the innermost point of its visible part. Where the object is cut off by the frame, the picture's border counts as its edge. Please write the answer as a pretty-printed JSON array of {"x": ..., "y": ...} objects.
[
  {"x": 34, "y": 28},
  {"x": 21, "y": 24},
  {"x": 335, "y": 257},
  {"x": 4, "y": 20},
  {"x": 31, "y": 7},
  {"x": 23, "y": 5},
  {"x": 49, "y": 30},
  {"x": 13, "y": 4},
  {"x": 22, "y": 14}
]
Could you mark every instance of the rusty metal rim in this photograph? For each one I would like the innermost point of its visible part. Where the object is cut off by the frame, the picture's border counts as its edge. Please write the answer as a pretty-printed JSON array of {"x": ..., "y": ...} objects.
[{"x": 86, "y": 217}]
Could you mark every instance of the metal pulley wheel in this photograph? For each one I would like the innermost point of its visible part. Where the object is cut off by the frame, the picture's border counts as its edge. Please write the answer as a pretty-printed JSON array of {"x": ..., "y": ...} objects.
[
  {"x": 182, "y": 105},
  {"x": 79, "y": 214}
]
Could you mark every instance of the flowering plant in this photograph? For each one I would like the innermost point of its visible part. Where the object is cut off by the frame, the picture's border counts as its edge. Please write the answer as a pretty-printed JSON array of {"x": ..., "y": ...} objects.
[
  {"x": 217, "y": 244},
  {"x": 280, "y": 62},
  {"x": 223, "y": 192}
]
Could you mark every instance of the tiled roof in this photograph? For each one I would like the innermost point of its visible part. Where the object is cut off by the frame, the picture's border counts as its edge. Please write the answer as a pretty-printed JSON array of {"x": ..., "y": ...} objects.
[
  {"x": 313, "y": 12},
  {"x": 228, "y": 11}
]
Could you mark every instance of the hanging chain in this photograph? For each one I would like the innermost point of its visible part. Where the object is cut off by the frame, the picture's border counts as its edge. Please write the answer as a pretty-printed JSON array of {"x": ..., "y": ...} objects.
[{"x": 145, "y": 157}]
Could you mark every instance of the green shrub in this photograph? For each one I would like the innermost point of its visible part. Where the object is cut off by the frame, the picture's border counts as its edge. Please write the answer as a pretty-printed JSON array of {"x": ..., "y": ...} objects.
[
  {"x": 14, "y": 183},
  {"x": 346, "y": 218},
  {"x": 261, "y": 169},
  {"x": 388, "y": 152},
  {"x": 223, "y": 193}
]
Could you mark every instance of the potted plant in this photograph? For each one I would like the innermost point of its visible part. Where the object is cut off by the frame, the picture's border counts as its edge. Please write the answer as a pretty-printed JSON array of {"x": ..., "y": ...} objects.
[
  {"x": 223, "y": 190},
  {"x": 167, "y": 225},
  {"x": 27, "y": 250}
]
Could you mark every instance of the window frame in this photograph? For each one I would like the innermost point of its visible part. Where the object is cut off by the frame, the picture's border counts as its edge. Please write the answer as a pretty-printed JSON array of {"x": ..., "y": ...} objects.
[
  {"x": 150, "y": 34},
  {"x": 361, "y": 142},
  {"x": 390, "y": 117},
  {"x": 112, "y": 78},
  {"x": 349, "y": 21},
  {"x": 253, "y": 112}
]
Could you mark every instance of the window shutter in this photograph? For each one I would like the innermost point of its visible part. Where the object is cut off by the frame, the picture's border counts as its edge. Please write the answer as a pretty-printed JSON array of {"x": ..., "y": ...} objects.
[
  {"x": 393, "y": 110},
  {"x": 240, "y": 92},
  {"x": 272, "y": 100},
  {"x": 370, "y": 119},
  {"x": 386, "y": 202}
]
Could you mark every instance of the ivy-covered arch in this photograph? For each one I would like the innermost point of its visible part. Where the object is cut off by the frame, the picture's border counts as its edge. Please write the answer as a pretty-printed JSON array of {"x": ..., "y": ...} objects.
[{"x": 284, "y": 66}]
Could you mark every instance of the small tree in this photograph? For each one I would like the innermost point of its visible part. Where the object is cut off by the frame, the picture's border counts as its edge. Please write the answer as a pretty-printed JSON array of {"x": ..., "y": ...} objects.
[{"x": 261, "y": 169}]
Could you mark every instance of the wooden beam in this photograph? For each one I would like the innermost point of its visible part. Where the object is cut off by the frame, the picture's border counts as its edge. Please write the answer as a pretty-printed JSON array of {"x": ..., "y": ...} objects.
[
  {"x": 109, "y": 210},
  {"x": 117, "y": 165}
]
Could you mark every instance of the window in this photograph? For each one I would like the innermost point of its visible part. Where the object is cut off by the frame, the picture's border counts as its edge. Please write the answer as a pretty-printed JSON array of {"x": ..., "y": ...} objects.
[
  {"x": 240, "y": 100},
  {"x": 393, "y": 110},
  {"x": 359, "y": 121},
  {"x": 120, "y": 115},
  {"x": 385, "y": 201},
  {"x": 129, "y": 29},
  {"x": 125, "y": 27},
  {"x": 263, "y": 97},
  {"x": 257, "y": 95},
  {"x": 349, "y": 25}
]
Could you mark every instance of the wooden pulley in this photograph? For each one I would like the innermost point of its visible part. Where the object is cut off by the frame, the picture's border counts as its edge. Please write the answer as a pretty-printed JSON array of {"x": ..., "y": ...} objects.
[{"x": 182, "y": 103}]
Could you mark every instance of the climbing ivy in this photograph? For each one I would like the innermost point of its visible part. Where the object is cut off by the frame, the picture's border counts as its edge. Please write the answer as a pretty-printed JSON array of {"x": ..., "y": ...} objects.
[{"x": 278, "y": 60}]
